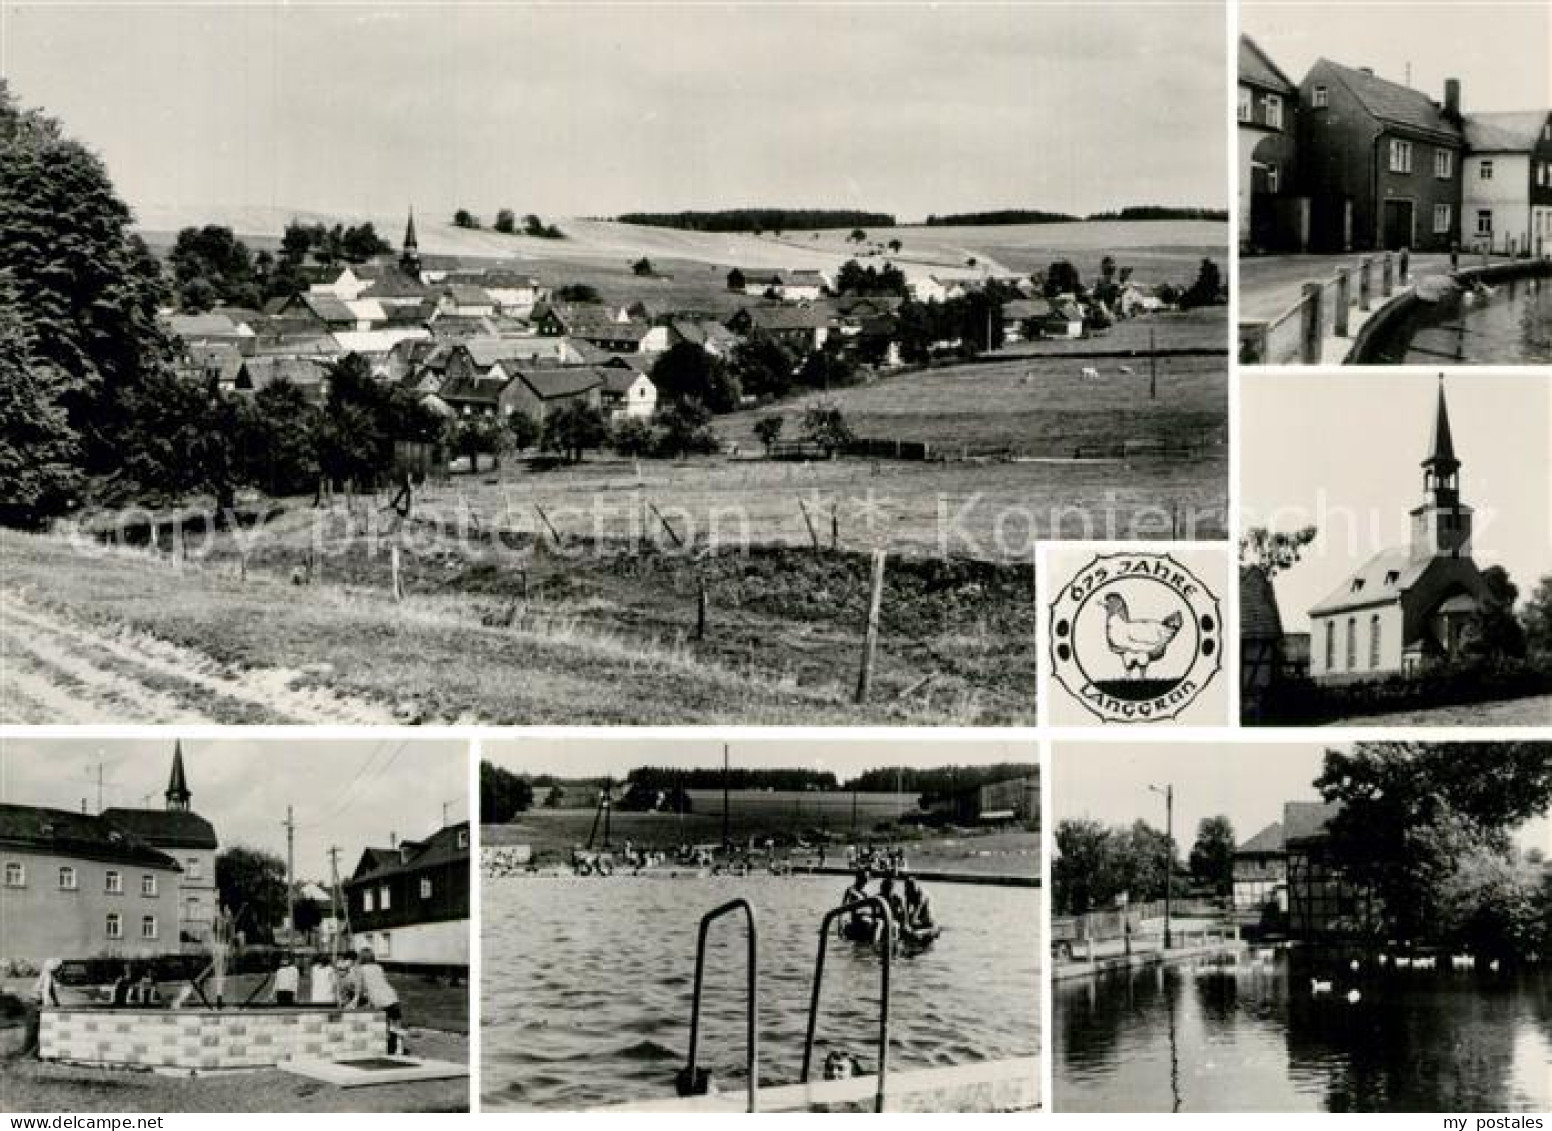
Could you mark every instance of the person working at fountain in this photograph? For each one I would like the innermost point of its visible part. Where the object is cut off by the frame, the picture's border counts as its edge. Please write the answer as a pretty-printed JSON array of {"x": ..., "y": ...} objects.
[
  {"x": 287, "y": 981},
  {"x": 123, "y": 986},
  {"x": 45, "y": 993},
  {"x": 323, "y": 987},
  {"x": 369, "y": 985}
]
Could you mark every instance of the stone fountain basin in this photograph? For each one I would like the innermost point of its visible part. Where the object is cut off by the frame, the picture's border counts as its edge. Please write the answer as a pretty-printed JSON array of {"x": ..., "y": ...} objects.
[{"x": 207, "y": 1040}]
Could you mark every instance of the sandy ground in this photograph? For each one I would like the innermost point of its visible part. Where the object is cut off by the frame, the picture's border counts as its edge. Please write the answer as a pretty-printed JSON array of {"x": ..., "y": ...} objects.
[
  {"x": 1530, "y": 711},
  {"x": 58, "y": 671},
  {"x": 32, "y": 1086}
]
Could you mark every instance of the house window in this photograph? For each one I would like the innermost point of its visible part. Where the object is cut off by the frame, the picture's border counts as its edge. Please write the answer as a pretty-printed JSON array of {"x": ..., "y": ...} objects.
[
  {"x": 1274, "y": 111},
  {"x": 1357, "y": 585},
  {"x": 67, "y": 878},
  {"x": 384, "y": 897},
  {"x": 15, "y": 875},
  {"x": 192, "y": 869},
  {"x": 368, "y": 900},
  {"x": 1484, "y": 221},
  {"x": 425, "y": 887},
  {"x": 148, "y": 926},
  {"x": 1485, "y": 169},
  {"x": 1443, "y": 164},
  {"x": 463, "y": 834},
  {"x": 1245, "y": 113},
  {"x": 115, "y": 925},
  {"x": 1374, "y": 641},
  {"x": 113, "y": 883},
  {"x": 1441, "y": 219},
  {"x": 148, "y": 885},
  {"x": 1400, "y": 156},
  {"x": 1392, "y": 576},
  {"x": 1352, "y": 643},
  {"x": 1330, "y": 645},
  {"x": 1320, "y": 98}
]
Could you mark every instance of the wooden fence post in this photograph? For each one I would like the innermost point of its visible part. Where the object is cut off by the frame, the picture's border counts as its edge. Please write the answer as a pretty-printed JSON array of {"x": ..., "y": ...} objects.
[
  {"x": 1344, "y": 295},
  {"x": 1309, "y": 342},
  {"x": 813, "y": 535},
  {"x": 1365, "y": 283},
  {"x": 870, "y": 638}
]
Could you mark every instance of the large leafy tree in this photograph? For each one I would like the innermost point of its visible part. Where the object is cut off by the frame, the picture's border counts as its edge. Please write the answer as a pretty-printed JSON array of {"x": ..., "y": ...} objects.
[
  {"x": 503, "y": 794},
  {"x": 251, "y": 884},
  {"x": 1411, "y": 813},
  {"x": 687, "y": 372},
  {"x": 39, "y": 451},
  {"x": 573, "y": 428},
  {"x": 85, "y": 288},
  {"x": 211, "y": 265},
  {"x": 1212, "y": 856}
]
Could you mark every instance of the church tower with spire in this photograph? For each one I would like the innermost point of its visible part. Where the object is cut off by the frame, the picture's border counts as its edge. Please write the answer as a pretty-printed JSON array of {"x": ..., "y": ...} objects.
[
  {"x": 178, "y": 794},
  {"x": 409, "y": 254},
  {"x": 1441, "y": 527}
]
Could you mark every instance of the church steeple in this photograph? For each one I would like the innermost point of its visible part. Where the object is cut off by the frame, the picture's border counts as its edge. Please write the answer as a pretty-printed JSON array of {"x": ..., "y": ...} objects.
[
  {"x": 409, "y": 255},
  {"x": 178, "y": 794},
  {"x": 1441, "y": 527}
]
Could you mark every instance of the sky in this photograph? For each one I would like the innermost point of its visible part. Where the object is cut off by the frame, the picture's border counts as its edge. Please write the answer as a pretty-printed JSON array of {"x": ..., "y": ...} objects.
[
  {"x": 346, "y": 793},
  {"x": 1342, "y": 452},
  {"x": 1248, "y": 783},
  {"x": 596, "y": 756},
  {"x": 590, "y": 110},
  {"x": 1502, "y": 53}
]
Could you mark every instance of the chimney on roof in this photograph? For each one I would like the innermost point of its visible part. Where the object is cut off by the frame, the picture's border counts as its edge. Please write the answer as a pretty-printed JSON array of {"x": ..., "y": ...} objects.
[
  {"x": 1452, "y": 98},
  {"x": 393, "y": 839}
]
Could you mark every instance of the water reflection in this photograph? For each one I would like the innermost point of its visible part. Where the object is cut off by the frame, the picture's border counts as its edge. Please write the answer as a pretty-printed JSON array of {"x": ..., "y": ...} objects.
[
  {"x": 1257, "y": 1038},
  {"x": 1511, "y": 325}
]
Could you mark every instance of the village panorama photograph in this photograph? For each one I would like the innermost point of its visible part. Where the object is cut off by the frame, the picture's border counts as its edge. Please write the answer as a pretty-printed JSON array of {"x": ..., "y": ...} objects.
[
  {"x": 1396, "y": 549},
  {"x": 199, "y": 925},
  {"x": 1395, "y": 184},
  {"x": 592, "y": 364},
  {"x": 799, "y": 924},
  {"x": 1302, "y": 927}
]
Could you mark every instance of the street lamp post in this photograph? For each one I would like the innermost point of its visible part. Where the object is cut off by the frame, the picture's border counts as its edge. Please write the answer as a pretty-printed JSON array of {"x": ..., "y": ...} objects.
[{"x": 1168, "y": 793}]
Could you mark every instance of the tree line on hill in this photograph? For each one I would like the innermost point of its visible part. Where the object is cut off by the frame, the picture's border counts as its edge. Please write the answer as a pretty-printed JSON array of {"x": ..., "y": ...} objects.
[
  {"x": 210, "y": 266},
  {"x": 506, "y": 224},
  {"x": 759, "y": 220},
  {"x": 1003, "y": 216}
]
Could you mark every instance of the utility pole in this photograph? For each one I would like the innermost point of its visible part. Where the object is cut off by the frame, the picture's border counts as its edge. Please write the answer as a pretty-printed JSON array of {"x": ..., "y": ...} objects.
[
  {"x": 334, "y": 902},
  {"x": 290, "y": 824},
  {"x": 1168, "y": 793},
  {"x": 726, "y": 844}
]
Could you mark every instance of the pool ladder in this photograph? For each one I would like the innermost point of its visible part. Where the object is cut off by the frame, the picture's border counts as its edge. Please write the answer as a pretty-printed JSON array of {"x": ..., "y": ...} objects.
[{"x": 693, "y": 1080}]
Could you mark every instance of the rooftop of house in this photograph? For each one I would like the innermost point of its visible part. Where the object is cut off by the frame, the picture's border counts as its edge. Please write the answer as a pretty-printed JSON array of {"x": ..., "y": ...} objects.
[
  {"x": 1257, "y": 68},
  {"x": 1508, "y": 131},
  {"x": 783, "y": 317},
  {"x": 1269, "y": 841},
  {"x": 63, "y": 832},
  {"x": 441, "y": 847},
  {"x": 1307, "y": 820},
  {"x": 1390, "y": 102},
  {"x": 486, "y": 352},
  {"x": 1259, "y": 618},
  {"x": 559, "y": 383},
  {"x": 164, "y": 828}
]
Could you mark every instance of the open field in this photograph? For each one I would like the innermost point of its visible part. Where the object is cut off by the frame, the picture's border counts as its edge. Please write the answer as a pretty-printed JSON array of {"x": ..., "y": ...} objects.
[
  {"x": 1160, "y": 251},
  {"x": 552, "y": 833},
  {"x": 124, "y": 636}
]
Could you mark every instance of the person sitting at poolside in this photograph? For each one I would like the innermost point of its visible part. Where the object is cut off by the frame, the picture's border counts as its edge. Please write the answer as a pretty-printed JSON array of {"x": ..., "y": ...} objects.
[
  {"x": 287, "y": 980},
  {"x": 323, "y": 987}
]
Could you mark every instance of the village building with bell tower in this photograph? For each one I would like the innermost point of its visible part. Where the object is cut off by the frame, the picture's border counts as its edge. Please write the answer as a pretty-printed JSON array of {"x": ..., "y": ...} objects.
[{"x": 1408, "y": 607}]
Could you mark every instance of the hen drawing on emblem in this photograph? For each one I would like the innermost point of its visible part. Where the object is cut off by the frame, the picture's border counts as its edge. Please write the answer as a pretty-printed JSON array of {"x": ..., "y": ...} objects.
[{"x": 1137, "y": 642}]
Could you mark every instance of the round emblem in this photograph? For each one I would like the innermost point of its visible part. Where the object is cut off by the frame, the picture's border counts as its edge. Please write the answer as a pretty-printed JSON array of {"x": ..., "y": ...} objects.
[{"x": 1135, "y": 637}]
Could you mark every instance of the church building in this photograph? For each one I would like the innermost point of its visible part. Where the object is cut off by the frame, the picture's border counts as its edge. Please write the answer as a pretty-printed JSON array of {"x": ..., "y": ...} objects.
[
  {"x": 189, "y": 839},
  {"x": 1408, "y": 606}
]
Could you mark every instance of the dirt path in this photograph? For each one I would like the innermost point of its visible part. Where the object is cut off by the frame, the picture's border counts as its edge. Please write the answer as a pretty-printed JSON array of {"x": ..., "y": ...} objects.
[
  {"x": 56, "y": 670},
  {"x": 1534, "y": 710}
]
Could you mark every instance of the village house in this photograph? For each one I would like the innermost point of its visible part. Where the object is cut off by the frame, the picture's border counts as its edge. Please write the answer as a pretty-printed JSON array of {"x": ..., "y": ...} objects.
[
  {"x": 595, "y": 323},
  {"x": 468, "y": 299},
  {"x": 410, "y": 902},
  {"x": 788, "y": 286},
  {"x": 190, "y": 840},
  {"x": 533, "y": 391},
  {"x": 1260, "y": 639},
  {"x": 801, "y": 328},
  {"x": 1507, "y": 192},
  {"x": 496, "y": 359},
  {"x": 511, "y": 292},
  {"x": 712, "y": 336},
  {"x": 1407, "y": 607},
  {"x": 627, "y": 391},
  {"x": 927, "y": 288},
  {"x": 308, "y": 374},
  {"x": 1380, "y": 162},
  {"x": 1260, "y": 885},
  {"x": 78, "y": 886},
  {"x": 1272, "y": 215},
  {"x": 1323, "y": 902}
]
